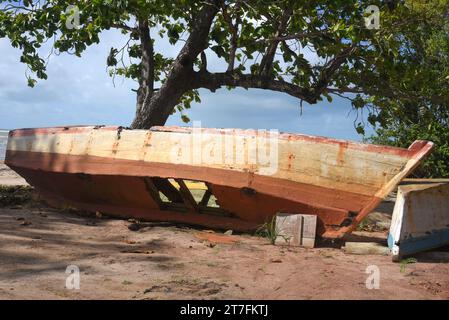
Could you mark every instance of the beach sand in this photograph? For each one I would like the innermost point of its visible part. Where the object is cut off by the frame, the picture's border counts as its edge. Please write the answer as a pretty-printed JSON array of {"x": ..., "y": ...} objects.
[
  {"x": 121, "y": 259},
  {"x": 9, "y": 177}
]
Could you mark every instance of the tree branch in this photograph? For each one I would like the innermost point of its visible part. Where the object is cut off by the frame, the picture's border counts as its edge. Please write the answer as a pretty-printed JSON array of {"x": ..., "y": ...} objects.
[
  {"x": 234, "y": 33},
  {"x": 214, "y": 81},
  {"x": 297, "y": 36},
  {"x": 197, "y": 40},
  {"x": 203, "y": 61},
  {"x": 330, "y": 68},
  {"x": 158, "y": 109},
  {"x": 146, "y": 80},
  {"x": 267, "y": 61},
  {"x": 345, "y": 90},
  {"x": 386, "y": 91},
  {"x": 124, "y": 27},
  {"x": 288, "y": 49}
]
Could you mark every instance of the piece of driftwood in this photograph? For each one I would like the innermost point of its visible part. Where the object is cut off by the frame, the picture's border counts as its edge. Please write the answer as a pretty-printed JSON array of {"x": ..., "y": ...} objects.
[{"x": 247, "y": 175}]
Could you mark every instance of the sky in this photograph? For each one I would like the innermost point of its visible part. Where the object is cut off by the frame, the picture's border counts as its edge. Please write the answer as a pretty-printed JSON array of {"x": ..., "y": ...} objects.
[{"x": 80, "y": 91}]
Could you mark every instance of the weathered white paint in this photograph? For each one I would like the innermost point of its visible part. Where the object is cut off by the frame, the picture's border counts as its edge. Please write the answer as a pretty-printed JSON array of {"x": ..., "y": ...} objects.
[
  {"x": 420, "y": 218},
  {"x": 322, "y": 164}
]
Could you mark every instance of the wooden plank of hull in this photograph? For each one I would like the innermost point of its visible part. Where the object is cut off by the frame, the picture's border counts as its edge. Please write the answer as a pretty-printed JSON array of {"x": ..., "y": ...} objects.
[
  {"x": 339, "y": 181},
  {"x": 340, "y": 164},
  {"x": 95, "y": 191}
]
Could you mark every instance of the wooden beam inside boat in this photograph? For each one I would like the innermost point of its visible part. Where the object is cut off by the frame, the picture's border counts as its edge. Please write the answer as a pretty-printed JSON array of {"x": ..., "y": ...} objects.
[{"x": 187, "y": 196}]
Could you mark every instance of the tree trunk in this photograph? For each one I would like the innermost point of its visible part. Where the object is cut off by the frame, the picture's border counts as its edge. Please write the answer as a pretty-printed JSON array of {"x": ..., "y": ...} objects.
[
  {"x": 146, "y": 80},
  {"x": 156, "y": 109}
]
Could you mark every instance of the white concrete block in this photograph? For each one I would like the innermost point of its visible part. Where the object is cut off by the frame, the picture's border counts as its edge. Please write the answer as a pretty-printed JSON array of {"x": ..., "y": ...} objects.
[{"x": 296, "y": 229}]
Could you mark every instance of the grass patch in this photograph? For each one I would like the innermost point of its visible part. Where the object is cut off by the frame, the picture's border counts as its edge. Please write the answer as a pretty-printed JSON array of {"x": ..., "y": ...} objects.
[
  {"x": 270, "y": 231},
  {"x": 405, "y": 262},
  {"x": 363, "y": 225},
  {"x": 15, "y": 195}
]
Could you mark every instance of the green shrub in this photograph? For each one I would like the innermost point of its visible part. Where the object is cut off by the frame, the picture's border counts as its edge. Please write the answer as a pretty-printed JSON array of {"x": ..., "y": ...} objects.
[{"x": 402, "y": 135}]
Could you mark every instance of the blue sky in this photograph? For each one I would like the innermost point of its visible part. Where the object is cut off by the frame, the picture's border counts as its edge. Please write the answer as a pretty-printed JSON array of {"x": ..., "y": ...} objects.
[{"x": 80, "y": 91}]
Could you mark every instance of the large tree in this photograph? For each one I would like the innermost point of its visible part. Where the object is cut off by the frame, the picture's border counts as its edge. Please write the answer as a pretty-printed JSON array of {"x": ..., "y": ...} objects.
[
  {"x": 423, "y": 74},
  {"x": 307, "y": 49}
]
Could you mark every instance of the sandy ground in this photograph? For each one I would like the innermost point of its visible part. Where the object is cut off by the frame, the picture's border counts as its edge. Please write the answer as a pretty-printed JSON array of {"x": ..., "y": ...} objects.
[
  {"x": 9, "y": 177},
  {"x": 120, "y": 259}
]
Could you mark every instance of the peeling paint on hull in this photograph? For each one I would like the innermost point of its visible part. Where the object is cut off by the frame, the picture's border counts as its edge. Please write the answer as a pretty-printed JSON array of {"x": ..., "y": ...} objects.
[
  {"x": 114, "y": 170},
  {"x": 420, "y": 218}
]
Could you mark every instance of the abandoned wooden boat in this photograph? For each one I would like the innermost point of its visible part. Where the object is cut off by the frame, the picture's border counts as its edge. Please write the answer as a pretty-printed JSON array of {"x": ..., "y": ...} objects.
[{"x": 219, "y": 178}]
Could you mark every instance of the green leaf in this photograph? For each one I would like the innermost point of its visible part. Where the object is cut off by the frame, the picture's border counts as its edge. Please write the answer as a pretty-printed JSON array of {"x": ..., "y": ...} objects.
[
  {"x": 360, "y": 128},
  {"x": 185, "y": 118},
  {"x": 111, "y": 60},
  {"x": 31, "y": 82}
]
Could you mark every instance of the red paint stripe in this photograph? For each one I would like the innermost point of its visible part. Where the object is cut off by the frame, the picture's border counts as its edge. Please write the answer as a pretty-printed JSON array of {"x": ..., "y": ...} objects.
[
  {"x": 55, "y": 130},
  {"x": 291, "y": 190},
  {"x": 313, "y": 196}
]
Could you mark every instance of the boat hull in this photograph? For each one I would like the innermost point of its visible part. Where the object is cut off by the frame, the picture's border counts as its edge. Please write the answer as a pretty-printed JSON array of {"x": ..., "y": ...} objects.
[
  {"x": 420, "y": 219},
  {"x": 107, "y": 174}
]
